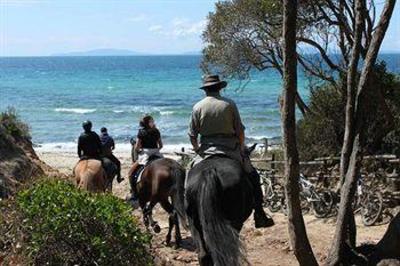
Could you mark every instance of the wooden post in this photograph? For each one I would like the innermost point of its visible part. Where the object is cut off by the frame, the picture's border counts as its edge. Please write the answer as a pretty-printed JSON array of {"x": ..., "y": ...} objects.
[
  {"x": 273, "y": 160},
  {"x": 265, "y": 147}
]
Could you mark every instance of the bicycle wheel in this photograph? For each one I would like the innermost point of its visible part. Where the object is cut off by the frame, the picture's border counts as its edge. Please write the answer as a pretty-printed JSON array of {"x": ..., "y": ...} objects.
[
  {"x": 274, "y": 206},
  {"x": 371, "y": 209},
  {"x": 304, "y": 204},
  {"x": 276, "y": 199},
  {"x": 323, "y": 206},
  {"x": 268, "y": 192}
]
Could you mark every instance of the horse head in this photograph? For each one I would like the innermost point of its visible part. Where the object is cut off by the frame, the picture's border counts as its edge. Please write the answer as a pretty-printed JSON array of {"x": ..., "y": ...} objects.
[{"x": 250, "y": 149}]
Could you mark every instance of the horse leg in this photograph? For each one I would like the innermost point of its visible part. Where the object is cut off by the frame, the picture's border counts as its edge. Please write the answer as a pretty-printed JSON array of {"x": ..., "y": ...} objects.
[
  {"x": 168, "y": 208},
  {"x": 109, "y": 184},
  {"x": 178, "y": 236},
  {"x": 173, "y": 221},
  {"x": 144, "y": 214},
  {"x": 148, "y": 210},
  {"x": 237, "y": 225}
]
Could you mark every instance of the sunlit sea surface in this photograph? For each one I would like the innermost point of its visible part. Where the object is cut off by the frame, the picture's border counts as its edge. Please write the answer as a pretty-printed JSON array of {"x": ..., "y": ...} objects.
[{"x": 55, "y": 94}]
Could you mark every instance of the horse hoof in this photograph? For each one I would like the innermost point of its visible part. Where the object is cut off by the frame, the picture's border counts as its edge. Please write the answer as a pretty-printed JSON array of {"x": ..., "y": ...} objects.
[
  {"x": 156, "y": 228},
  {"x": 146, "y": 223},
  {"x": 168, "y": 241}
]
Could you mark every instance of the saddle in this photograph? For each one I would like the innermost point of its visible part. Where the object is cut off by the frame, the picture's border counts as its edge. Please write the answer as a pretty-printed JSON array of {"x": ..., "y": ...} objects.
[
  {"x": 137, "y": 175},
  {"x": 108, "y": 166}
]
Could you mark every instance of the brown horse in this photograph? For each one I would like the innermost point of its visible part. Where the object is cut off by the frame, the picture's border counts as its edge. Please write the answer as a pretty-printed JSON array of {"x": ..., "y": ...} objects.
[
  {"x": 161, "y": 179},
  {"x": 91, "y": 175}
]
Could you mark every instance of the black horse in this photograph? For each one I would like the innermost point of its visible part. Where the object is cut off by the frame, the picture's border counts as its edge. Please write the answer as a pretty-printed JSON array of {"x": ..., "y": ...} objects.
[{"x": 218, "y": 200}]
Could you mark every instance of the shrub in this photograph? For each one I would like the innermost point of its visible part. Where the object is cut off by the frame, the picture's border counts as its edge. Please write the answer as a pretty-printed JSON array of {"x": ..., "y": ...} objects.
[
  {"x": 13, "y": 124},
  {"x": 321, "y": 132},
  {"x": 65, "y": 226}
]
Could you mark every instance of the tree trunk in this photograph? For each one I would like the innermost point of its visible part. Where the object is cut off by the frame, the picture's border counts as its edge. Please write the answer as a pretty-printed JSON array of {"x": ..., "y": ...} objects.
[
  {"x": 297, "y": 231},
  {"x": 340, "y": 250},
  {"x": 302, "y": 105},
  {"x": 351, "y": 86}
]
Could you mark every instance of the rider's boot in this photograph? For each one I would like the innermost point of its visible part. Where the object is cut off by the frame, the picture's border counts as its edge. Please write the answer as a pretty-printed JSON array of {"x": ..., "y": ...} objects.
[
  {"x": 132, "y": 181},
  {"x": 119, "y": 178},
  {"x": 118, "y": 164},
  {"x": 261, "y": 219}
]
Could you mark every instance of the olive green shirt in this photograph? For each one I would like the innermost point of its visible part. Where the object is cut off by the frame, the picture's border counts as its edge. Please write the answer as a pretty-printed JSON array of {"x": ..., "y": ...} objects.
[{"x": 217, "y": 120}]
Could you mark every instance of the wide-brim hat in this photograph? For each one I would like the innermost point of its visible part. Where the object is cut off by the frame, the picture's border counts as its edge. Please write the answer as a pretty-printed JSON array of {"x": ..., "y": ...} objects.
[{"x": 213, "y": 81}]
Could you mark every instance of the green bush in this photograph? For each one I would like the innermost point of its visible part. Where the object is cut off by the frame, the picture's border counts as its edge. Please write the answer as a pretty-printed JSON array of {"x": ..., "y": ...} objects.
[
  {"x": 321, "y": 132},
  {"x": 13, "y": 124},
  {"x": 65, "y": 226}
]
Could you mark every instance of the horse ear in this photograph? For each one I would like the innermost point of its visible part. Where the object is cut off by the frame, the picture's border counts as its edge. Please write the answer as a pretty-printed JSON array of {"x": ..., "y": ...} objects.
[{"x": 252, "y": 148}]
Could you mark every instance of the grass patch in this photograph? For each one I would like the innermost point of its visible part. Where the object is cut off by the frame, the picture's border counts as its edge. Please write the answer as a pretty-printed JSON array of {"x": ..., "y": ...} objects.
[{"x": 57, "y": 224}]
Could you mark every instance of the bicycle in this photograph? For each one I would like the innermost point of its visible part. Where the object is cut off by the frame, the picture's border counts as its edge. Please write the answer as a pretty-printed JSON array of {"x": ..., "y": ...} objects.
[
  {"x": 321, "y": 202},
  {"x": 273, "y": 191}
]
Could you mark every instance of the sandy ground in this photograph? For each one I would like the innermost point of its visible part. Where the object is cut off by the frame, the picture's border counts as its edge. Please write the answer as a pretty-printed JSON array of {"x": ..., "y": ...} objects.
[{"x": 264, "y": 246}]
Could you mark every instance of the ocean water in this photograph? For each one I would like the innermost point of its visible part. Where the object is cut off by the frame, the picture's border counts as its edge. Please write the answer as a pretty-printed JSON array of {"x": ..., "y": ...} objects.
[{"x": 55, "y": 94}]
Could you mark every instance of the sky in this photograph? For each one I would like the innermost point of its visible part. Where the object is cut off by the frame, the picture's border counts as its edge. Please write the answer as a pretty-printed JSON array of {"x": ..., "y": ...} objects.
[{"x": 46, "y": 27}]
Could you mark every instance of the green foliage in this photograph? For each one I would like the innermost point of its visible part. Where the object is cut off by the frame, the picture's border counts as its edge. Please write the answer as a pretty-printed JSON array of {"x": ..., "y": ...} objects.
[
  {"x": 13, "y": 124},
  {"x": 65, "y": 226},
  {"x": 240, "y": 34},
  {"x": 246, "y": 35},
  {"x": 321, "y": 132}
]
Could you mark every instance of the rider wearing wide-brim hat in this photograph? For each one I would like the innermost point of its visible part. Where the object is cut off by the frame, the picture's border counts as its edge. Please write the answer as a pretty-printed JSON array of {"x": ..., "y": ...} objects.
[{"x": 217, "y": 120}]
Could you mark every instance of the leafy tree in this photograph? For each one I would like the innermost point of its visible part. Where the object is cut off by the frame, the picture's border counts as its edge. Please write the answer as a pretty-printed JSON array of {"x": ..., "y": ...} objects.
[
  {"x": 334, "y": 38},
  {"x": 321, "y": 132}
]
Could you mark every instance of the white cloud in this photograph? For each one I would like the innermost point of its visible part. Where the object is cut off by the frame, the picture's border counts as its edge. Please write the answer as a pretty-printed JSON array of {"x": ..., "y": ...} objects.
[
  {"x": 139, "y": 18},
  {"x": 180, "y": 27},
  {"x": 186, "y": 29},
  {"x": 156, "y": 28},
  {"x": 179, "y": 21}
]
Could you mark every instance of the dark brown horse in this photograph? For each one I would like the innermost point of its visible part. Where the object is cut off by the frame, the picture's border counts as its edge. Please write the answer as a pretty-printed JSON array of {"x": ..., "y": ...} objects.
[{"x": 162, "y": 179}]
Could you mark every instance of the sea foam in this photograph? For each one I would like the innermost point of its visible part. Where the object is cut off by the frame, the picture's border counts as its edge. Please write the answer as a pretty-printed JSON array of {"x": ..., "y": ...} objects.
[
  {"x": 120, "y": 148},
  {"x": 75, "y": 110}
]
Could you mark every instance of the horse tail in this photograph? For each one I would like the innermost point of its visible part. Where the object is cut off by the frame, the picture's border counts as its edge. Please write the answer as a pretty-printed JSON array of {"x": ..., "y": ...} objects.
[
  {"x": 178, "y": 175},
  {"x": 90, "y": 179},
  {"x": 85, "y": 180},
  {"x": 221, "y": 238}
]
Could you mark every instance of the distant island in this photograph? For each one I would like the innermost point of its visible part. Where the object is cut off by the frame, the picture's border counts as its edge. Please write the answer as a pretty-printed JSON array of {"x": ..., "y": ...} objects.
[
  {"x": 100, "y": 52},
  {"x": 116, "y": 52}
]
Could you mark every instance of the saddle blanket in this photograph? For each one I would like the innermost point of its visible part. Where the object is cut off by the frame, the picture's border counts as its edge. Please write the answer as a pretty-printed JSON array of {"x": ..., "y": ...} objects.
[{"x": 138, "y": 174}]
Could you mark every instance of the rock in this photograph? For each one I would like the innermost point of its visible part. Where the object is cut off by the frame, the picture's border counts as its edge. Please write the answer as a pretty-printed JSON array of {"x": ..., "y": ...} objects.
[{"x": 18, "y": 163}]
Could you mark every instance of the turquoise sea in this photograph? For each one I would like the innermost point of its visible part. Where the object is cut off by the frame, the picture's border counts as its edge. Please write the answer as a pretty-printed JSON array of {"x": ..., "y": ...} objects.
[{"x": 55, "y": 94}]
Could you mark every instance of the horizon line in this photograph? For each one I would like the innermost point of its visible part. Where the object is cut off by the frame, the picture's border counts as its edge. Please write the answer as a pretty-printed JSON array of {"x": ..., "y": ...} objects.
[{"x": 150, "y": 54}]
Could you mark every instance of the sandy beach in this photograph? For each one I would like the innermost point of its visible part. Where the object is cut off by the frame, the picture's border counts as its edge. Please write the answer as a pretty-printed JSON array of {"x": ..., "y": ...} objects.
[{"x": 264, "y": 246}]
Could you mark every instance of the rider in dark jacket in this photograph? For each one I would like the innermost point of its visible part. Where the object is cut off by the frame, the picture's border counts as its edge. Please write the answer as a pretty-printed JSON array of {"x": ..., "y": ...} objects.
[
  {"x": 108, "y": 145},
  {"x": 89, "y": 144}
]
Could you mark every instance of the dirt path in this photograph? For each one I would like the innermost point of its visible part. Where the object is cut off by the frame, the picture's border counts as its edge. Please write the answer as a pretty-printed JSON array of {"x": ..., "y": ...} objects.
[{"x": 264, "y": 246}]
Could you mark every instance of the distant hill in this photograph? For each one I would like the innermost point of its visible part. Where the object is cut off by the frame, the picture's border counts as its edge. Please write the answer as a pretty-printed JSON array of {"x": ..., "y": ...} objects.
[
  {"x": 192, "y": 53},
  {"x": 101, "y": 52}
]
